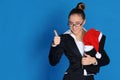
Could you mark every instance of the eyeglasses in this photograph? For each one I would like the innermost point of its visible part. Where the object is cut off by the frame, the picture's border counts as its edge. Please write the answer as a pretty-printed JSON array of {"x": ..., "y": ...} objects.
[{"x": 76, "y": 25}]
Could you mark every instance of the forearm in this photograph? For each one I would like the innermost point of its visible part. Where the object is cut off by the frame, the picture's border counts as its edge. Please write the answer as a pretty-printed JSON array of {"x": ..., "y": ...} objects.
[
  {"x": 55, "y": 55},
  {"x": 104, "y": 60}
]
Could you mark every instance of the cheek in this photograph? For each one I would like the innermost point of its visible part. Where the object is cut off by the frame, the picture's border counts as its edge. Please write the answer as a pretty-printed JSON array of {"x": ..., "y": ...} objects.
[
  {"x": 79, "y": 28},
  {"x": 76, "y": 29}
]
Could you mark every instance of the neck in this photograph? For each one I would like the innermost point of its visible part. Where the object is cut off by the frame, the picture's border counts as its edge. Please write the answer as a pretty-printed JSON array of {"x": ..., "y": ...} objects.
[{"x": 80, "y": 35}]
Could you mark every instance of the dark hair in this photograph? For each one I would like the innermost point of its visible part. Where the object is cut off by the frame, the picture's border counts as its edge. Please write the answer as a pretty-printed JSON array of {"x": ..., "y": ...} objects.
[{"x": 79, "y": 9}]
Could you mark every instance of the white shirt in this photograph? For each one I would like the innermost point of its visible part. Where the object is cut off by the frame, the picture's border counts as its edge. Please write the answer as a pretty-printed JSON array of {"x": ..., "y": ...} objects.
[{"x": 80, "y": 46}]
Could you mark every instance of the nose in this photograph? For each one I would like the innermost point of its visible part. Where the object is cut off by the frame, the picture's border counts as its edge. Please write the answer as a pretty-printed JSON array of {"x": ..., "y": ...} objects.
[{"x": 74, "y": 25}]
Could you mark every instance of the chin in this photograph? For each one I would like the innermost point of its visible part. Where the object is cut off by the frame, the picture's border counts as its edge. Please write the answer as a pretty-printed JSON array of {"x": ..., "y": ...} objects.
[{"x": 75, "y": 33}]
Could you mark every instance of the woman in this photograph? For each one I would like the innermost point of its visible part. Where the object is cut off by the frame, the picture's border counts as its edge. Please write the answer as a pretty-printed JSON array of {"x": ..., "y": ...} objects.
[{"x": 82, "y": 66}]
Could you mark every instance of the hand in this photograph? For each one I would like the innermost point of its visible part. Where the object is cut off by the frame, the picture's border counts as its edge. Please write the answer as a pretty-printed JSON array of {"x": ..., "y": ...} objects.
[
  {"x": 88, "y": 60},
  {"x": 56, "y": 38}
]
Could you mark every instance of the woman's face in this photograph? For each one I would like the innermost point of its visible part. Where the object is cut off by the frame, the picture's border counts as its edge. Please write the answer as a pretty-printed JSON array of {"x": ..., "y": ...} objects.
[{"x": 76, "y": 22}]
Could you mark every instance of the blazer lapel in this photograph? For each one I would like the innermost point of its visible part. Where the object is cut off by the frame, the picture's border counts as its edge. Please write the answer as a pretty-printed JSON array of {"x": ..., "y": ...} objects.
[{"x": 74, "y": 46}]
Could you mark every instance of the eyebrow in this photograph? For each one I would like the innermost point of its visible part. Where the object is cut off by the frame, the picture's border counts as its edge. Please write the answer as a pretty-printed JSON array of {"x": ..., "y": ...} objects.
[{"x": 76, "y": 22}]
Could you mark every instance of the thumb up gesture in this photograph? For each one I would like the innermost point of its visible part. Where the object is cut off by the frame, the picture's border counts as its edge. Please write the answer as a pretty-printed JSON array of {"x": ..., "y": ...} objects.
[{"x": 56, "y": 38}]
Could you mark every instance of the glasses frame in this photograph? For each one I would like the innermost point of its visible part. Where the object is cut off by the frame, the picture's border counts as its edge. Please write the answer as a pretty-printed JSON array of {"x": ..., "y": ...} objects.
[{"x": 76, "y": 25}]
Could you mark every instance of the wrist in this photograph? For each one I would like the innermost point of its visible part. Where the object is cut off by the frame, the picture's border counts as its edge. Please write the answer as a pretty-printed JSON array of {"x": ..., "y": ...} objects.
[
  {"x": 54, "y": 45},
  {"x": 94, "y": 61}
]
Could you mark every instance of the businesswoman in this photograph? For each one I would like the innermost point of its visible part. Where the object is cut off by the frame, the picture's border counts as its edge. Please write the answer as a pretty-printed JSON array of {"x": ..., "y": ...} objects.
[{"x": 82, "y": 66}]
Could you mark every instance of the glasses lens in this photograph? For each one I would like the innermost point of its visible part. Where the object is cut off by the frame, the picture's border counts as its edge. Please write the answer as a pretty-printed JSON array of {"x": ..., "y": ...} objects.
[{"x": 77, "y": 24}]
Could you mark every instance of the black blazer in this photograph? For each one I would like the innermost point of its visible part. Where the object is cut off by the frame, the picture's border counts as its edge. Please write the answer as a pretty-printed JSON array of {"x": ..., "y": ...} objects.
[{"x": 69, "y": 48}]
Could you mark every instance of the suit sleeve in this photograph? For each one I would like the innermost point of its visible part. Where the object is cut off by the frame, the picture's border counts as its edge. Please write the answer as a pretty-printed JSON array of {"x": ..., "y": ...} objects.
[
  {"x": 55, "y": 54},
  {"x": 104, "y": 60}
]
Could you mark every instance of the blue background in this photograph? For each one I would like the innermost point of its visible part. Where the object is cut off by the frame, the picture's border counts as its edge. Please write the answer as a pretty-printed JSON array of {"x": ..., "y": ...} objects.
[{"x": 26, "y": 32}]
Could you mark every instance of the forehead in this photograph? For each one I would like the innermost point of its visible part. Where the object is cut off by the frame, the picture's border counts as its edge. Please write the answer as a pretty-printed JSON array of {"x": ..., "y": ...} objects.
[{"x": 75, "y": 17}]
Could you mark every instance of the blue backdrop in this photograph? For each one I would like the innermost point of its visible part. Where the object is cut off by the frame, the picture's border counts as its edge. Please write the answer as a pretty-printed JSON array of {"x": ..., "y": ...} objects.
[{"x": 26, "y": 32}]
